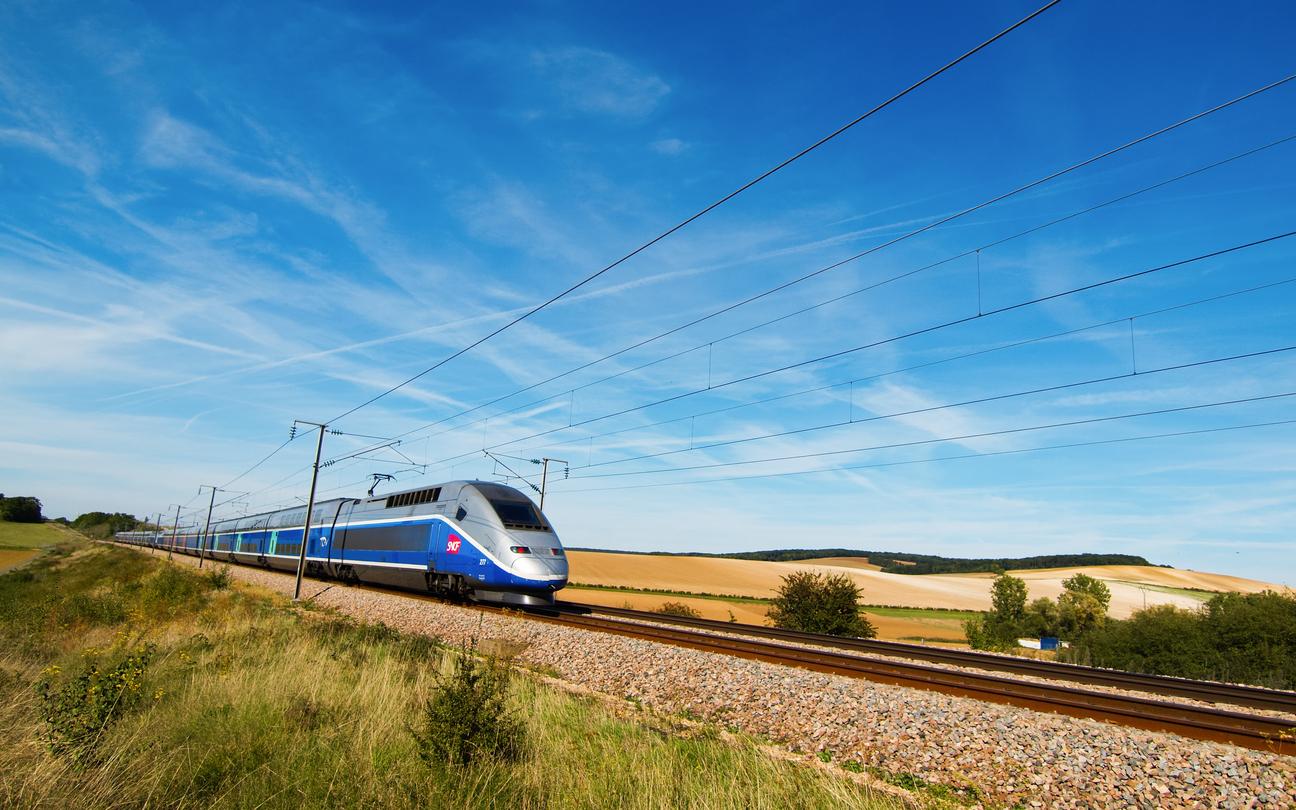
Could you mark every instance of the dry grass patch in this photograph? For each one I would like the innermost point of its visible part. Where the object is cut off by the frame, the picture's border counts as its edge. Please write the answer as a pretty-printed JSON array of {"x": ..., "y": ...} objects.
[{"x": 234, "y": 698}]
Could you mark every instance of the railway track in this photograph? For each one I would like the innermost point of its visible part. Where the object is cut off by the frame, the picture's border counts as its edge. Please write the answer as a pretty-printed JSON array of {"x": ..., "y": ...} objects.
[
  {"x": 1253, "y": 697},
  {"x": 852, "y": 658},
  {"x": 1259, "y": 732}
]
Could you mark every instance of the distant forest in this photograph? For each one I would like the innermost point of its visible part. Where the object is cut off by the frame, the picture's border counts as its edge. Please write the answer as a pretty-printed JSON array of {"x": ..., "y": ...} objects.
[{"x": 894, "y": 562}]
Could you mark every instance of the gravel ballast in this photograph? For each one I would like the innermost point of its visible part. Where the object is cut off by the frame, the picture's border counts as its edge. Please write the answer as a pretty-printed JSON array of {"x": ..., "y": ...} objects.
[{"x": 1009, "y": 756}]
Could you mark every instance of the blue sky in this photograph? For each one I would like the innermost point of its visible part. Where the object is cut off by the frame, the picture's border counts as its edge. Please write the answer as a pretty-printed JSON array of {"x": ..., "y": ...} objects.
[{"x": 214, "y": 222}]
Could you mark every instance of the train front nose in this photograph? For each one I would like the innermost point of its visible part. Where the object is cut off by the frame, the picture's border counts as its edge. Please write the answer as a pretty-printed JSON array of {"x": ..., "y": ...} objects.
[{"x": 542, "y": 563}]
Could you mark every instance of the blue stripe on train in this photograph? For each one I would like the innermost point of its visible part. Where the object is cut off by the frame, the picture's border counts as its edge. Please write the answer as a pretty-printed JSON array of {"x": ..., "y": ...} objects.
[{"x": 468, "y": 560}]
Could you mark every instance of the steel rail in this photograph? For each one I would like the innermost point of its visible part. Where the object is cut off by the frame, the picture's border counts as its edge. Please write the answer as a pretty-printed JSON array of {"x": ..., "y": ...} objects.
[
  {"x": 1259, "y": 732},
  {"x": 1254, "y": 697}
]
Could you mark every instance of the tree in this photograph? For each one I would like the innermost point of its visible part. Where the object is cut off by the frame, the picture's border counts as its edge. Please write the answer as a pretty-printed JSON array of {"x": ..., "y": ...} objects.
[
  {"x": 1042, "y": 618},
  {"x": 1079, "y": 613},
  {"x": 1083, "y": 583},
  {"x": 999, "y": 629},
  {"x": 1008, "y": 599},
  {"x": 20, "y": 509},
  {"x": 820, "y": 603}
]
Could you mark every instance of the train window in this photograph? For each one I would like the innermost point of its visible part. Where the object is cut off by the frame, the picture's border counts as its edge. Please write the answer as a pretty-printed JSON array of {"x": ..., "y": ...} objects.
[
  {"x": 388, "y": 538},
  {"x": 519, "y": 515}
]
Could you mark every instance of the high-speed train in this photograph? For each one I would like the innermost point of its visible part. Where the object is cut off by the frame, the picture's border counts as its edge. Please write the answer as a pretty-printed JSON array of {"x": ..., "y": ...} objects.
[{"x": 474, "y": 539}]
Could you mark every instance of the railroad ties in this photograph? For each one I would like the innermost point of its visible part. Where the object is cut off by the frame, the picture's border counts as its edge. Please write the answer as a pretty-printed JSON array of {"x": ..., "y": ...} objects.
[{"x": 932, "y": 672}]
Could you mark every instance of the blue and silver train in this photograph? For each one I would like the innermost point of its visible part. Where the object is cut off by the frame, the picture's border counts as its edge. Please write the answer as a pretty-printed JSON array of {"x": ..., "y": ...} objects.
[{"x": 474, "y": 539}]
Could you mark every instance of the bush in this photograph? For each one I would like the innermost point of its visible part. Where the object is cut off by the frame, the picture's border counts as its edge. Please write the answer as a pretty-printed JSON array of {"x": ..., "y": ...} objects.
[
  {"x": 678, "y": 609},
  {"x": 219, "y": 578},
  {"x": 821, "y": 603},
  {"x": 77, "y": 713},
  {"x": 466, "y": 718}
]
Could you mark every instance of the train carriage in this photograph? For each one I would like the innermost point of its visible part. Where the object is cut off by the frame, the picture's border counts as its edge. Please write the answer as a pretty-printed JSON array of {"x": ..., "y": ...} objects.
[{"x": 476, "y": 539}]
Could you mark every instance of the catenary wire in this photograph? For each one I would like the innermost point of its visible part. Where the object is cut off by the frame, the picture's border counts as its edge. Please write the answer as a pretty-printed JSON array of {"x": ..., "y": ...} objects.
[
  {"x": 895, "y": 338},
  {"x": 960, "y": 457},
  {"x": 726, "y": 198},
  {"x": 1129, "y": 375},
  {"x": 964, "y": 437},
  {"x": 785, "y": 285},
  {"x": 954, "y": 358},
  {"x": 835, "y": 299}
]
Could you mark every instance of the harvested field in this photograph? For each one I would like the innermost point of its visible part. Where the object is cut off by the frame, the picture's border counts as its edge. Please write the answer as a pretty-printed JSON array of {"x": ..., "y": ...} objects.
[
  {"x": 13, "y": 557},
  {"x": 889, "y": 627},
  {"x": 958, "y": 591}
]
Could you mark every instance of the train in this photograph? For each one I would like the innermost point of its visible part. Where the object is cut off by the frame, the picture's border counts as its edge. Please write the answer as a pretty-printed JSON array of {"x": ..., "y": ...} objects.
[{"x": 477, "y": 540}]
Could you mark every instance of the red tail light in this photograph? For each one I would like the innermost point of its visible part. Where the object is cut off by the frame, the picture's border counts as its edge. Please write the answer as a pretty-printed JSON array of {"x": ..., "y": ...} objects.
[{"x": 519, "y": 549}]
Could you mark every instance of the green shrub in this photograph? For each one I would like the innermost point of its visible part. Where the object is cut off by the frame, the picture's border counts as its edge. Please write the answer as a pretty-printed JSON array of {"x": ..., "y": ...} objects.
[
  {"x": 76, "y": 713},
  {"x": 466, "y": 718},
  {"x": 821, "y": 603},
  {"x": 93, "y": 609},
  {"x": 219, "y": 578},
  {"x": 679, "y": 609}
]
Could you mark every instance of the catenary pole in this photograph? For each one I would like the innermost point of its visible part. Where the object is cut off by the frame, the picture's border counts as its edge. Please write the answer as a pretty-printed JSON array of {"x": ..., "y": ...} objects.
[
  {"x": 544, "y": 478},
  {"x": 175, "y": 528},
  {"x": 310, "y": 506},
  {"x": 202, "y": 547}
]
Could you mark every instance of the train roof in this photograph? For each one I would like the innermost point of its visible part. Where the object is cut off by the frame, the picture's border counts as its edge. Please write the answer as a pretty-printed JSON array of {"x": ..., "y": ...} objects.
[{"x": 387, "y": 500}]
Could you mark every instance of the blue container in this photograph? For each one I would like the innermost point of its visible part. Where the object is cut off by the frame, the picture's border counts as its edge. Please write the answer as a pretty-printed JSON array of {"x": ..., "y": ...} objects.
[{"x": 1048, "y": 642}]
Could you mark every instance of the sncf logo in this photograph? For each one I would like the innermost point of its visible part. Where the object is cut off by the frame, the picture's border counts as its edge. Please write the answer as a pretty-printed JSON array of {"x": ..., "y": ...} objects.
[{"x": 453, "y": 543}]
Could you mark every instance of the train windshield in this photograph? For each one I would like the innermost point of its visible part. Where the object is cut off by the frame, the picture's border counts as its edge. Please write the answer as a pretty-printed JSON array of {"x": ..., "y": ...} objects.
[{"x": 519, "y": 515}]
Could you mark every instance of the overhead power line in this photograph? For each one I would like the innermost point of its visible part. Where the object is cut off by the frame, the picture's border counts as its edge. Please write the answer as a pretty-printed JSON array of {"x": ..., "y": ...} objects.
[
  {"x": 882, "y": 246},
  {"x": 726, "y": 198},
  {"x": 953, "y": 358},
  {"x": 1129, "y": 375},
  {"x": 825, "y": 302},
  {"x": 894, "y": 339},
  {"x": 937, "y": 459},
  {"x": 964, "y": 437}
]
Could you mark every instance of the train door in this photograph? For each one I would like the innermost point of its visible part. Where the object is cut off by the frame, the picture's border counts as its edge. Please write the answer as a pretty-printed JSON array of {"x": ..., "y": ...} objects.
[{"x": 336, "y": 537}]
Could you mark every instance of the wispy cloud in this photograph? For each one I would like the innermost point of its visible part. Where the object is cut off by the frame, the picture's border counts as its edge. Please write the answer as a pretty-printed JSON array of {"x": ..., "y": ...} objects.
[{"x": 594, "y": 81}]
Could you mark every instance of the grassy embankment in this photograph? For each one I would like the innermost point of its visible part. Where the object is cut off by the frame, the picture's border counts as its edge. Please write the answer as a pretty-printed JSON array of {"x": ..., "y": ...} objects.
[{"x": 126, "y": 681}]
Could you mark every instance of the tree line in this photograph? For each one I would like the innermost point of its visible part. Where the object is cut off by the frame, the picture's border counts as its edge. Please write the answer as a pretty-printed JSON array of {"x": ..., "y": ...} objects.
[
  {"x": 896, "y": 562},
  {"x": 20, "y": 509}
]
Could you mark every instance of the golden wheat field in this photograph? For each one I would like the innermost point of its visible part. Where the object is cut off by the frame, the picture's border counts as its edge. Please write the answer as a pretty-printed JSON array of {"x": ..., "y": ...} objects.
[{"x": 1132, "y": 586}]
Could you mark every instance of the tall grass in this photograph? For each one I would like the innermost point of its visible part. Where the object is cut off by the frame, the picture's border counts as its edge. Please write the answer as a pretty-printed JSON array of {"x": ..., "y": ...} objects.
[{"x": 246, "y": 701}]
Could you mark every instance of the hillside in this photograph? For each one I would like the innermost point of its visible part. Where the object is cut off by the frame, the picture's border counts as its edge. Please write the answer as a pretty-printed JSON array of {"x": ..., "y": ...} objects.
[{"x": 1131, "y": 586}]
